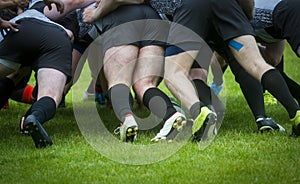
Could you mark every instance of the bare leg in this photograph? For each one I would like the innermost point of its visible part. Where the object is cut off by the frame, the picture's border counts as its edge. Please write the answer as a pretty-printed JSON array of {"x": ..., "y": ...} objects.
[
  {"x": 51, "y": 83},
  {"x": 119, "y": 63},
  {"x": 75, "y": 59},
  {"x": 272, "y": 53},
  {"x": 250, "y": 58},
  {"x": 149, "y": 69},
  {"x": 198, "y": 73},
  {"x": 177, "y": 69}
]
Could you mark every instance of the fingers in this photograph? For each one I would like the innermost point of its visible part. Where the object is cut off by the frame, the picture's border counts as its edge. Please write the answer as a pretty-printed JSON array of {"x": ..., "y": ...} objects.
[
  {"x": 87, "y": 15},
  {"x": 9, "y": 26},
  {"x": 13, "y": 26}
]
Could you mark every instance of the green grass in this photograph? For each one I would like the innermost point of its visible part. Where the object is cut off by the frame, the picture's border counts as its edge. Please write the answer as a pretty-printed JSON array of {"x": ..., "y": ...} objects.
[{"x": 238, "y": 155}]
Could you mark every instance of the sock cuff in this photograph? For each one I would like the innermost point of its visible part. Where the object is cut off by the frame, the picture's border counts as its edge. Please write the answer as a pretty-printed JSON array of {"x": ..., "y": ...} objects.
[
  {"x": 195, "y": 110},
  {"x": 149, "y": 93},
  {"x": 120, "y": 86},
  {"x": 268, "y": 73},
  {"x": 48, "y": 100}
]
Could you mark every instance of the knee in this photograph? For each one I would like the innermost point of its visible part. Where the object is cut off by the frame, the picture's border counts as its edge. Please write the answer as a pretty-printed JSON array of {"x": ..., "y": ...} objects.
[
  {"x": 198, "y": 73},
  {"x": 140, "y": 86}
]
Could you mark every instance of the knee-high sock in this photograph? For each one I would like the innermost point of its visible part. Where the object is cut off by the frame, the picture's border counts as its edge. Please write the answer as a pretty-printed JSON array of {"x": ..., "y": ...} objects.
[
  {"x": 275, "y": 84},
  {"x": 6, "y": 88},
  {"x": 203, "y": 91},
  {"x": 251, "y": 88},
  {"x": 195, "y": 109},
  {"x": 158, "y": 103},
  {"x": 23, "y": 95},
  {"x": 121, "y": 100},
  {"x": 293, "y": 86},
  {"x": 207, "y": 97},
  {"x": 44, "y": 109}
]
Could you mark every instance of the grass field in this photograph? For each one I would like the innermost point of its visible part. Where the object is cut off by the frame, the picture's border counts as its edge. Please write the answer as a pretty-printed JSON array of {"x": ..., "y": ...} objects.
[{"x": 238, "y": 155}]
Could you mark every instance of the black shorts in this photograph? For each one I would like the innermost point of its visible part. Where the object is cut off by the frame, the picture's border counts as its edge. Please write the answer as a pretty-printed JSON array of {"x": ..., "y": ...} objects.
[
  {"x": 230, "y": 21},
  {"x": 208, "y": 22},
  {"x": 286, "y": 21},
  {"x": 38, "y": 44},
  {"x": 190, "y": 26},
  {"x": 133, "y": 24}
]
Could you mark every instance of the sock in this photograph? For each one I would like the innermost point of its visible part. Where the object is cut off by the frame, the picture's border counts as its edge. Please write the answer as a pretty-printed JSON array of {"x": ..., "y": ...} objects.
[
  {"x": 44, "y": 109},
  {"x": 280, "y": 66},
  {"x": 292, "y": 85},
  {"x": 251, "y": 88},
  {"x": 98, "y": 89},
  {"x": 275, "y": 84},
  {"x": 203, "y": 91},
  {"x": 131, "y": 101},
  {"x": 23, "y": 95},
  {"x": 195, "y": 109},
  {"x": 120, "y": 98},
  {"x": 27, "y": 94},
  {"x": 158, "y": 103},
  {"x": 91, "y": 87},
  {"x": 253, "y": 93},
  {"x": 6, "y": 88}
]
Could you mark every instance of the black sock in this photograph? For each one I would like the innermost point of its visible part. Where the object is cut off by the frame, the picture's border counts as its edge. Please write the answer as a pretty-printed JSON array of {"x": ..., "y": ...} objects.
[
  {"x": 293, "y": 86},
  {"x": 207, "y": 97},
  {"x": 158, "y": 103},
  {"x": 251, "y": 88},
  {"x": 195, "y": 109},
  {"x": 253, "y": 93},
  {"x": 203, "y": 91},
  {"x": 280, "y": 66},
  {"x": 44, "y": 109},
  {"x": 275, "y": 84},
  {"x": 120, "y": 98},
  {"x": 6, "y": 88}
]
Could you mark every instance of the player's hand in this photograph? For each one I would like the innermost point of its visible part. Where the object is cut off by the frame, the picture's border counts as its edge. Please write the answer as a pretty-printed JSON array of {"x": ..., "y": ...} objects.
[
  {"x": 22, "y": 3},
  {"x": 58, "y": 3},
  {"x": 5, "y": 25},
  {"x": 89, "y": 15}
]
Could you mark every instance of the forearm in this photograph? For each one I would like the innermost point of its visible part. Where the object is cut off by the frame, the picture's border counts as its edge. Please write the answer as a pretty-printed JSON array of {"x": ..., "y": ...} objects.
[
  {"x": 69, "y": 6},
  {"x": 7, "y": 3}
]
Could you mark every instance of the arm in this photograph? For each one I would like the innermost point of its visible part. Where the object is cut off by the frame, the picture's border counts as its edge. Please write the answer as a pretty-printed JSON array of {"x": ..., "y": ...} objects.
[
  {"x": 104, "y": 7},
  {"x": 8, "y": 25},
  {"x": 12, "y": 3},
  {"x": 69, "y": 5}
]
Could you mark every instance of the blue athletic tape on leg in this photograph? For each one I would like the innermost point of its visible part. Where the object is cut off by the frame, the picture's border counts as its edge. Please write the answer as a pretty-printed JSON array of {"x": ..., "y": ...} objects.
[{"x": 236, "y": 45}]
